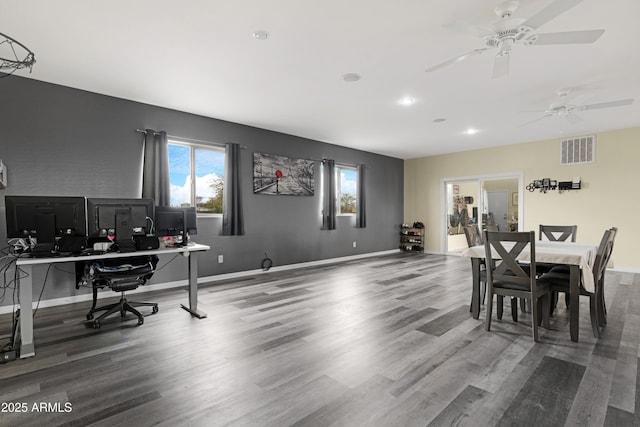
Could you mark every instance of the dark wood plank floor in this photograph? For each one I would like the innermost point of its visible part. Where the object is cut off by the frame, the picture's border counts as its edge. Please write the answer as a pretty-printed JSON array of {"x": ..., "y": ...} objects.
[{"x": 384, "y": 341}]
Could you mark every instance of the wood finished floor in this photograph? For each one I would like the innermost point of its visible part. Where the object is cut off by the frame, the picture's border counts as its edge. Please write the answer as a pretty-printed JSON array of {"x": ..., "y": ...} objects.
[{"x": 384, "y": 341}]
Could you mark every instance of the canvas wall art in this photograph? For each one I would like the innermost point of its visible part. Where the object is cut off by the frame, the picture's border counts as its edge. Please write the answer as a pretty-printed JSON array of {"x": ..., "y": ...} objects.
[{"x": 280, "y": 175}]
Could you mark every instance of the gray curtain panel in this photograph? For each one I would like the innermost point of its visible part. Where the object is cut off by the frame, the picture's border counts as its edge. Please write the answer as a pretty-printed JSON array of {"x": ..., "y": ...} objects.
[
  {"x": 329, "y": 195},
  {"x": 155, "y": 173},
  {"x": 232, "y": 218},
  {"x": 361, "y": 213}
]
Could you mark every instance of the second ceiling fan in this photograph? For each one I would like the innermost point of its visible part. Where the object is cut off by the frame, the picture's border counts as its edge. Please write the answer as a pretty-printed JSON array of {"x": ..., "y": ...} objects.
[
  {"x": 568, "y": 111},
  {"x": 508, "y": 31}
]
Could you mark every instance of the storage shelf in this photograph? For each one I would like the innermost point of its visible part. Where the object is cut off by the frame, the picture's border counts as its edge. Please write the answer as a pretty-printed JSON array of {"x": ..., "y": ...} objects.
[{"x": 411, "y": 238}]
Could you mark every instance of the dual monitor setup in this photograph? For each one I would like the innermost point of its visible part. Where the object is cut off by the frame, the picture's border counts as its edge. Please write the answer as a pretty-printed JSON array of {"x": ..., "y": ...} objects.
[{"x": 55, "y": 225}]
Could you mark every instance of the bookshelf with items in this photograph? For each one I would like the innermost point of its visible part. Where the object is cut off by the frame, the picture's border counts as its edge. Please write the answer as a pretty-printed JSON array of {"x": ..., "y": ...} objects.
[{"x": 412, "y": 237}]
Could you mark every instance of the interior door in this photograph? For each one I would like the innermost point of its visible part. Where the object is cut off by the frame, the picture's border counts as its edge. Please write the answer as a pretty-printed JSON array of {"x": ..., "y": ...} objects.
[{"x": 498, "y": 208}]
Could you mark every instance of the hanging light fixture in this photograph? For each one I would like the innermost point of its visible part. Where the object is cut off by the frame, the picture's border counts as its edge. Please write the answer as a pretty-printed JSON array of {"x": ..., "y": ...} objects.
[{"x": 14, "y": 56}]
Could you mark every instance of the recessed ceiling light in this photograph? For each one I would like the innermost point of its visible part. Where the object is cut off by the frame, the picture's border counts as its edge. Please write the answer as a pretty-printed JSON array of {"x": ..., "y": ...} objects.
[
  {"x": 260, "y": 35},
  {"x": 351, "y": 77},
  {"x": 471, "y": 131},
  {"x": 439, "y": 120},
  {"x": 407, "y": 100}
]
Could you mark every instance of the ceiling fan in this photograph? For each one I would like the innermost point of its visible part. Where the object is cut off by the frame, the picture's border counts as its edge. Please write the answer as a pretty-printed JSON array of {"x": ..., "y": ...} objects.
[
  {"x": 569, "y": 111},
  {"x": 504, "y": 34}
]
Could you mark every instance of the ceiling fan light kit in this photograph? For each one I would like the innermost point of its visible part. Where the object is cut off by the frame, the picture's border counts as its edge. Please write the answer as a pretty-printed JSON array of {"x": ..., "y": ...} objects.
[{"x": 504, "y": 34}]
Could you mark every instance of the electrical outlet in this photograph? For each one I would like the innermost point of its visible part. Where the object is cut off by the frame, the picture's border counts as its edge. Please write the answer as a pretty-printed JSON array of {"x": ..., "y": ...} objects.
[
  {"x": 354, "y": 244},
  {"x": 220, "y": 259}
]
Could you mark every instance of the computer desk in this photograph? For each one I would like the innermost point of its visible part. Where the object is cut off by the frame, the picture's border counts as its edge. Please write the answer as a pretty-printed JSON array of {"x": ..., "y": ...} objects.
[{"x": 27, "y": 347}]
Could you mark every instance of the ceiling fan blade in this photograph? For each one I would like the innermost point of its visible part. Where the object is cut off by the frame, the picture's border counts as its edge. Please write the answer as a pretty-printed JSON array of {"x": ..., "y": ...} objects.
[
  {"x": 456, "y": 59},
  {"x": 567, "y": 37},
  {"x": 608, "y": 104},
  {"x": 470, "y": 29},
  {"x": 550, "y": 12},
  {"x": 573, "y": 118},
  {"x": 501, "y": 65},
  {"x": 536, "y": 120}
]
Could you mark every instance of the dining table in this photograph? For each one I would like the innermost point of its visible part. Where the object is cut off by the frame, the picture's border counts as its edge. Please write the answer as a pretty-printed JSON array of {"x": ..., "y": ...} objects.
[{"x": 579, "y": 257}]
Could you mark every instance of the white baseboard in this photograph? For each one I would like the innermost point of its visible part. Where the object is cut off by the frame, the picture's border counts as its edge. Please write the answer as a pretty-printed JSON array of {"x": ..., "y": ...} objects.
[
  {"x": 626, "y": 270},
  {"x": 179, "y": 283}
]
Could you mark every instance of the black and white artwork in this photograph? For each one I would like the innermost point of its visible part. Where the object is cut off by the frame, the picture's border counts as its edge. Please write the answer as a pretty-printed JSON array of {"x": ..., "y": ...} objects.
[{"x": 280, "y": 175}]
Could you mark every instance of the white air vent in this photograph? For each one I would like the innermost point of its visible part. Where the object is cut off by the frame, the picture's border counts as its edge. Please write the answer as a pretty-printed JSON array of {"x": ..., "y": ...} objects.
[{"x": 578, "y": 150}]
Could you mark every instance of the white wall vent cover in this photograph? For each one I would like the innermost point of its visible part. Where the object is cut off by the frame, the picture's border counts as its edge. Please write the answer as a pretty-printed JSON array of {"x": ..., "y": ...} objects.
[{"x": 578, "y": 150}]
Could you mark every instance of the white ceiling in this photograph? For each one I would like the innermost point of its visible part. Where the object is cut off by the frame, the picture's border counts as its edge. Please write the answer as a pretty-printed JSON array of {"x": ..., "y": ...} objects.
[{"x": 199, "y": 56}]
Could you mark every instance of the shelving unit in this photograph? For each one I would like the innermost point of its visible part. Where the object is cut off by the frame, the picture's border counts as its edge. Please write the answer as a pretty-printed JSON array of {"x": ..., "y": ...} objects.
[{"x": 412, "y": 237}]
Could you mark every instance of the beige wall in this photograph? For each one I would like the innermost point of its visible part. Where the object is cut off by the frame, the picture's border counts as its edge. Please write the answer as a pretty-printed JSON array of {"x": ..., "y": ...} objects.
[{"x": 608, "y": 196}]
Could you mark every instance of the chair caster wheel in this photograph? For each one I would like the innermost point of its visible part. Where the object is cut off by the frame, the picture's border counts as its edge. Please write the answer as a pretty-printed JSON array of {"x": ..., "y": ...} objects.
[
  {"x": 96, "y": 325},
  {"x": 154, "y": 310},
  {"x": 140, "y": 321},
  {"x": 89, "y": 316}
]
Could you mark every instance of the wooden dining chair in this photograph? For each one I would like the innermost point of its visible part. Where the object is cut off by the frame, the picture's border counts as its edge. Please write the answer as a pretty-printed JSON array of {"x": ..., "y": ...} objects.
[
  {"x": 558, "y": 280},
  {"x": 506, "y": 277},
  {"x": 474, "y": 238},
  {"x": 603, "y": 305},
  {"x": 472, "y": 233},
  {"x": 558, "y": 233}
]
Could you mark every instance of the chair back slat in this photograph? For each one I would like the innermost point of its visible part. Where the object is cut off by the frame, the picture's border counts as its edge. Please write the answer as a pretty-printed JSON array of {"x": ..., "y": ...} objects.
[
  {"x": 472, "y": 233},
  {"x": 507, "y": 267},
  {"x": 603, "y": 256},
  {"x": 559, "y": 233}
]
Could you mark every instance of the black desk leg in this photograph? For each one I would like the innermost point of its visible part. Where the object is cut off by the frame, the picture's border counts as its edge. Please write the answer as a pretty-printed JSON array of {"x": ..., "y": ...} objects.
[{"x": 193, "y": 288}]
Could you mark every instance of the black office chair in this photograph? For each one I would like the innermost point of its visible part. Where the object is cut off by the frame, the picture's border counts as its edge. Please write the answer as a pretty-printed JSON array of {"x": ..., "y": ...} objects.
[{"x": 121, "y": 275}]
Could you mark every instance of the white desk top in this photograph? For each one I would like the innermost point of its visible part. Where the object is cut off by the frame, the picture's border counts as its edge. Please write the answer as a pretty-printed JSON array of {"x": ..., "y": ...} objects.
[{"x": 192, "y": 247}]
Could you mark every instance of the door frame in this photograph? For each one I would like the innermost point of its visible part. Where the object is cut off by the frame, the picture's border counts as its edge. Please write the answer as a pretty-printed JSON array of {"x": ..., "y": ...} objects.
[{"x": 479, "y": 178}]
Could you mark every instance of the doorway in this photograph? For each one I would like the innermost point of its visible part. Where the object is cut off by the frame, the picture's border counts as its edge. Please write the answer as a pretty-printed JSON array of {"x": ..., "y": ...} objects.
[
  {"x": 497, "y": 209},
  {"x": 481, "y": 200}
]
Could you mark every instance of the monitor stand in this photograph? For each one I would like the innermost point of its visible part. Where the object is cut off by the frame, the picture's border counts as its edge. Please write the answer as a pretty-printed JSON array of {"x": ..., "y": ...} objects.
[
  {"x": 185, "y": 229},
  {"x": 45, "y": 234},
  {"x": 124, "y": 235}
]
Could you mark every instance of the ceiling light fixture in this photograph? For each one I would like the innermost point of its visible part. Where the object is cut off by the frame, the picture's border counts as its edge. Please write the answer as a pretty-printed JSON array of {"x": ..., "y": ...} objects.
[
  {"x": 471, "y": 131},
  {"x": 351, "y": 77},
  {"x": 260, "y": 35},
  {"x": 14, "y": 56},
  {"x": 406, "y": 101}
]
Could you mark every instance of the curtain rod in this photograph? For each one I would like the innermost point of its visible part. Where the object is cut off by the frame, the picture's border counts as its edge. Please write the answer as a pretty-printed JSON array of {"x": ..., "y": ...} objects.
[
  {"x": 339, "y": 163},
  {"x": 219, "y": 144}
]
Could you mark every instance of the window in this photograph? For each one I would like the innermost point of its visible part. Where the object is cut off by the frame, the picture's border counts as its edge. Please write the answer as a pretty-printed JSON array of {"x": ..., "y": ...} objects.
[
  {"x": 346, "y": 181},
  {"x": 196, "y": 174}
]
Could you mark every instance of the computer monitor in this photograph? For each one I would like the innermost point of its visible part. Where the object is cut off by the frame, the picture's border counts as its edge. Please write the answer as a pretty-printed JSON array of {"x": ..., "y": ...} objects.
[
  {"x": 170, "y": 221},
  {"x": 44, "y": 219},
  {"x": 119, "y": 219}
]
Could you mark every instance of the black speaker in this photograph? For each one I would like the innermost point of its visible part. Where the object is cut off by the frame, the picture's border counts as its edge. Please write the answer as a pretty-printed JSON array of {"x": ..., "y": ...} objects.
[{"x": 145, "y": 243}]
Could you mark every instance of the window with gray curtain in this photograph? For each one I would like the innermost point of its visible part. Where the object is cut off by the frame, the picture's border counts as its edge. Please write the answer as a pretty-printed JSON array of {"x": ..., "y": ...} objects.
[
  {"x": 328, "y": 195},
  {"x": 155, "y": 172},
  {"x": 232, "y": 217},
  {"x": 196, "y": 175},
  {"x": 361, "y": 215}
]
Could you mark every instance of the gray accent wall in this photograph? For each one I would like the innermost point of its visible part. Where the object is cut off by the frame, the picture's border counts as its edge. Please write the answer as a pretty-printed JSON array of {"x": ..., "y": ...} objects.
[{"x": 62, "y": 141}]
